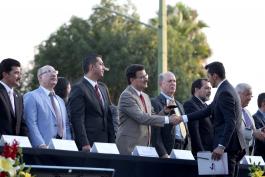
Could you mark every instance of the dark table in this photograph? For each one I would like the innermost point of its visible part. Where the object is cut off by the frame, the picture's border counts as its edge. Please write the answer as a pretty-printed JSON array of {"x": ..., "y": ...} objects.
[{"x": 125, "y": 166}]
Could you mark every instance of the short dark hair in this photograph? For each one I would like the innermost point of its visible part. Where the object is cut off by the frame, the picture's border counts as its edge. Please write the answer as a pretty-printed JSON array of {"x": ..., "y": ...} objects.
[
  {"x": 61, "y": 87},
  {"x": 216, "y": 68},
  {"x": 197, "y": 84},
  {"x": 90, "y": 59},
  {"x": 6, "y": 66},
  {"x": 261, "y": 98},
  {"x": 131, "y": 71}
]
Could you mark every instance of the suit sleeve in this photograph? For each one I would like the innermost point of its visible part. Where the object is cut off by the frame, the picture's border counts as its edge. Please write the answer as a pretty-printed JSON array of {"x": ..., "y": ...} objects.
[
  {"x": 194, "y": 128},
  {"x": 156, "y": 138},
  {"x": 226, "y": 104},
  {"x": 76, "y": 106},
  {"x": 130, "y": 107}
]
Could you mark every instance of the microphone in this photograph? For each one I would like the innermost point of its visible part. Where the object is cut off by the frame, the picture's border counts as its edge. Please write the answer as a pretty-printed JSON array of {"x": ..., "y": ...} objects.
[{"x": 106, "y": 69}]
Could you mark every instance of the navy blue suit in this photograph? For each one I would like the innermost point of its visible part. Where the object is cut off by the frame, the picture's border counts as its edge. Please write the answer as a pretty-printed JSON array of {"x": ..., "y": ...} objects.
[
  {"x": 226, "y": 113},
  {"x": 201, "y": 131}
]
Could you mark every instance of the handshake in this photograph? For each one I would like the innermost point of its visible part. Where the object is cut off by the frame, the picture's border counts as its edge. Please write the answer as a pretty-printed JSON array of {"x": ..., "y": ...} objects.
[{"x": 174, "y": 119}]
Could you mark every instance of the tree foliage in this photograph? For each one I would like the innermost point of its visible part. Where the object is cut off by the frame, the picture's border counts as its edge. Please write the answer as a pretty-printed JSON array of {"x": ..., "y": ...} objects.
[{"x": 122, "y": 41}]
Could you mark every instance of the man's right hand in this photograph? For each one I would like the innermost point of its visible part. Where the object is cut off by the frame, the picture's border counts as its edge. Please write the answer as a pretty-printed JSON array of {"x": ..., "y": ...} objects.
[
  {"x": 86, "y": 148},
  {"x": 174, "y": 119}
]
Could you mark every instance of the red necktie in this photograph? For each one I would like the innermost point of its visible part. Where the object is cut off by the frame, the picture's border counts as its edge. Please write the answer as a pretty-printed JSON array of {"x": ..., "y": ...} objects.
[
  {"x": 98, "y": 94},
  {"x": 142, "y": 99},
  {"x": 148, "y": 127}
]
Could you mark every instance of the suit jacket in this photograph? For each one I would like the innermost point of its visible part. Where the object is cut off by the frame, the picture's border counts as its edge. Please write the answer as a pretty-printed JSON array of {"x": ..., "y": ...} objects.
[
  {"x": 260, "y": 145},
  {"x": 163, "y": 138},
  {"x": 201, "y": 131},
  {"x": 11, "y": 123},
  {"x": 91, "y": 122},
  {"x": 41, "y": 119},
  {"x": 226, "y": 114},
  {"x": 248, "y": 140},
  {"x": 134, "y": 121}
]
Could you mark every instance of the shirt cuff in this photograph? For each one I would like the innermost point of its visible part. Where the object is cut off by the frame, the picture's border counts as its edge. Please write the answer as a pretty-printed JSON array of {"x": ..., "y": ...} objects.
[
  {"x": 185, "y": 118},
  {"x": 166, "y": 120}
]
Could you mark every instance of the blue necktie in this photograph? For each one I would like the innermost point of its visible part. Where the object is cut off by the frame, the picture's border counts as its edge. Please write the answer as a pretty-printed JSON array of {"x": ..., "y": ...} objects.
[{"x": 247, "y": 119}]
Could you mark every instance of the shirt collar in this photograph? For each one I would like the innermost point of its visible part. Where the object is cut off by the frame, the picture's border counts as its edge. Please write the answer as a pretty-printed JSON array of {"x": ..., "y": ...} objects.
[
  {"x": 8, "y": 89},
  {"x": 137, "y": 91},
  {"x": 166, "y": 96},
  {"x": 93, "y": 83},
  {"x": 46, "y": 91},
  {"x": 220, "y": 83}
]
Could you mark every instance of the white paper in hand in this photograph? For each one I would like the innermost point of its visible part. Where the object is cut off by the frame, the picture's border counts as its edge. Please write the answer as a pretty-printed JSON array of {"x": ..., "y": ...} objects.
[{"x": 207, "y": 166}]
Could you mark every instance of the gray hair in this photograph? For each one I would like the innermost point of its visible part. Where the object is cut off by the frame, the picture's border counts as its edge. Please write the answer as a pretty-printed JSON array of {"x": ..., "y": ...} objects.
[
  {"x": 241, "y": 87},
  {"x": 43, "y": 69},
  {"x": 161, "y": 76}
]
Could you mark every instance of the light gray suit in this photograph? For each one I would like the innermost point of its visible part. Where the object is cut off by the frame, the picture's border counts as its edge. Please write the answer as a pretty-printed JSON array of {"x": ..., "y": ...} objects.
[
  {"x": 40, "y": 117},
  {"x": 133, "y": 129}
]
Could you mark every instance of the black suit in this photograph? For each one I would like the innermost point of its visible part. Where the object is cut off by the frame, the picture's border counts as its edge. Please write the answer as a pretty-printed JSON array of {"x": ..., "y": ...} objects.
[
  {"x": 226, "y": 113},
  {"x": 201, "y": 131},
  {"x": 260, "y": 145},
  {"x": 91, "y": 121},
  {"x": 11, "y": 123},
  {"x": 163, "y": 138}
]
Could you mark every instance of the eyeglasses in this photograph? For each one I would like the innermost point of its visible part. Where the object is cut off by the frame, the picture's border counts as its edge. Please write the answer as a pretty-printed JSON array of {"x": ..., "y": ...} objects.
[
  {"x": 143, "y": 77},
  {"x": 50, "y": 72}
]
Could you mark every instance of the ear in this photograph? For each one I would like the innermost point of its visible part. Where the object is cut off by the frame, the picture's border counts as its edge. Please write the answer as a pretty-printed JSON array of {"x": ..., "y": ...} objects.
[{"x": 131, "y": 79}]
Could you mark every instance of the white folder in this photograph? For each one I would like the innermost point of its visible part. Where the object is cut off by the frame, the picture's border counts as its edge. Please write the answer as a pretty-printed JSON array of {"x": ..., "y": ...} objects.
[{"x": 207, "y": 166}]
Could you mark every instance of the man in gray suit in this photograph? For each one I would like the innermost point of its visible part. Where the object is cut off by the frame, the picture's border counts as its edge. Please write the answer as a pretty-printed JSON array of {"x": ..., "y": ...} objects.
[{"x": 135, "y": 112}]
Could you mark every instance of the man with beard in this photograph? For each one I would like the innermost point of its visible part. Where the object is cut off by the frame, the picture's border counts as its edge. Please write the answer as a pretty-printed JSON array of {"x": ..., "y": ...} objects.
[
  {"x": 201, "y": 131},
  {"x": 45, "y": 113},
  {"x": 11, "y": 104},
  {"x": 89, "y": 106},
  {"x": 226, "y": 113}
]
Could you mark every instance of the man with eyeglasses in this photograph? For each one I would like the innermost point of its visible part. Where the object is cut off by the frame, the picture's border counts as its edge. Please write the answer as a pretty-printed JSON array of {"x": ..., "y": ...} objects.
[
  {"x": 45, "y": 112},
  {"x": 89, "y": 106},
  {"x": 135, "y": 112},
  {"x": 248, "y": 125},
  {"x": 11, "y": 104}
]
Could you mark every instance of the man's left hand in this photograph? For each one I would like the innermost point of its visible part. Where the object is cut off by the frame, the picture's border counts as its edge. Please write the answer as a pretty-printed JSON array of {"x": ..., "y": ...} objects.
[{"x": 217, "y": 153}]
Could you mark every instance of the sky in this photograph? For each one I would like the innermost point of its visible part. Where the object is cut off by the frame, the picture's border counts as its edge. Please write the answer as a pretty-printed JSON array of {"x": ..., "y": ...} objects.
[{"x": 236, "y": 31}]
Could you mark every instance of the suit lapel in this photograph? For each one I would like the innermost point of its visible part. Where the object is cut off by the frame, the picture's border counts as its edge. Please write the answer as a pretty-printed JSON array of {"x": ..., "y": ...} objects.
[
  {"x": 7, "y": 99},
  {"x": 136, "y": 97},
  {"x": 47, "y": 100},
  {"x": 92, "y": 95}
]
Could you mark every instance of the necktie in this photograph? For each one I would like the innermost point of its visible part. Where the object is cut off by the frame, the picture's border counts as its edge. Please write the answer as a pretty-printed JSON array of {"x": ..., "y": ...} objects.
[
  {"x": 142, "y": 99},
  {"x": 148, "y": 127},
  {"x": 98, "y": 95},
  {"x": 58, "y": 115},
  {"x": 183, "y": 130},
  {"x": 248, "y": 122},
  {"x": 11, "y": 97}
]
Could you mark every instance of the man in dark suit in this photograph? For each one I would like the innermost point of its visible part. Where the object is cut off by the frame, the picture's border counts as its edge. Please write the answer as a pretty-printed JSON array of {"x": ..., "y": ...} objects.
[
  {"x": 226, "y": 114},
  {"x": 163, "y": 138},
  {"x": 259, "y": 118},
  {"x": 201, "y": 131},
  {"x": 11, "y": 104},
  {"x": 89, "y": 106}
]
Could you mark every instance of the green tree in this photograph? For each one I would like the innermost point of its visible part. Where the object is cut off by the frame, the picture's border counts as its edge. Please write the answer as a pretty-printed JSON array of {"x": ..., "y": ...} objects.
[{"x": 122, "y": 41}]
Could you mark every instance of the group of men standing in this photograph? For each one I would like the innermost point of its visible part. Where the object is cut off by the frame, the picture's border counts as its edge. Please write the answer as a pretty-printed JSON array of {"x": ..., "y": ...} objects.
[{"x": 142, "y": 121}]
